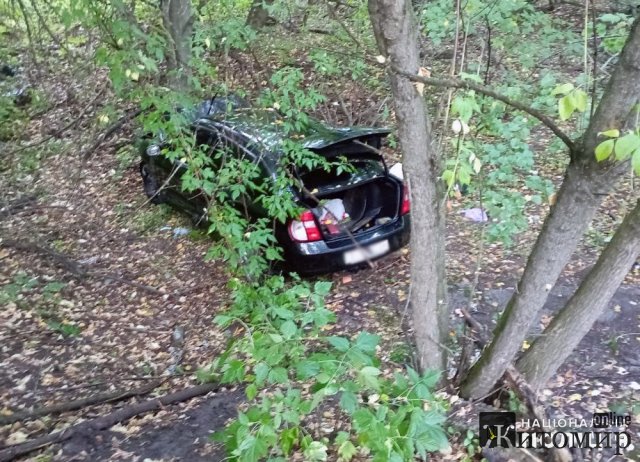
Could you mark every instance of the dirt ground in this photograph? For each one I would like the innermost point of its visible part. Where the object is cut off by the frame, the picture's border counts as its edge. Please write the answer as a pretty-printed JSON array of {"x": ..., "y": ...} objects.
[{"x": 96, "y": 257}]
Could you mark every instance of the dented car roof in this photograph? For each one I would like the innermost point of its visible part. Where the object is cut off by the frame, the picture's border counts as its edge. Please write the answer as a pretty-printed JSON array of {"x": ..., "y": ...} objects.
[{"x": 264, "y": 126}]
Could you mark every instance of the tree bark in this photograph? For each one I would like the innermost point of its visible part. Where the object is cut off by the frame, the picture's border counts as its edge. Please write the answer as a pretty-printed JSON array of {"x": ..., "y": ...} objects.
[
  {"x": 258, "y": 16},
  {"x": 396, "y": 35},
  {"x": 584, "y": 308},
  {"x": 177, "y": 18},
  {"x": 586, "y": 182}
]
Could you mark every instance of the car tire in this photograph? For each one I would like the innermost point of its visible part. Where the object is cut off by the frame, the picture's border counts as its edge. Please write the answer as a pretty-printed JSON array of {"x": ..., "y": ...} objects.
[{"x": 151, "y": 185}]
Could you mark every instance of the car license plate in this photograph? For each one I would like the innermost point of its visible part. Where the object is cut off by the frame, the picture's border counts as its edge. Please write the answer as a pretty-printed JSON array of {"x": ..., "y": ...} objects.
[{"x": 361, "y": 254}]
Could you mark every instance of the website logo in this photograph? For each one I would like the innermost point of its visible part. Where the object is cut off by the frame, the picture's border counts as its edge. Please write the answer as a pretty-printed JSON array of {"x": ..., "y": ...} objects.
[{"x": 497, "y": 429}]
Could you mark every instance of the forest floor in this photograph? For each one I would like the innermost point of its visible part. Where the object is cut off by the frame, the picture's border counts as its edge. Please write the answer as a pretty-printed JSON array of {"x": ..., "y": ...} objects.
[
  {"x": 69, "y": 334},
  {"x": 94, "y": 282}
]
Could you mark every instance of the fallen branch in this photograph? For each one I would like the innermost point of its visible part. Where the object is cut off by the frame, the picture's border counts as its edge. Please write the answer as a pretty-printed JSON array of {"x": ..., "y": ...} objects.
[
  {"x": 466, "y": 85},
  {"x": 76, "y": 268},
  {"x": 18, "y": 204},
  {"x": 60, "y": 131},
  {"x": 101, "y": 423},
  {"x": 130, "y": 114},
  {"x": 100, "y": 398}
]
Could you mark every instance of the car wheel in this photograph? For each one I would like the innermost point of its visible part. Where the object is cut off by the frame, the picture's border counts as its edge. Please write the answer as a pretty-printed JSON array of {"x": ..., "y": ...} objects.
[{"x": 151, "y": 185}]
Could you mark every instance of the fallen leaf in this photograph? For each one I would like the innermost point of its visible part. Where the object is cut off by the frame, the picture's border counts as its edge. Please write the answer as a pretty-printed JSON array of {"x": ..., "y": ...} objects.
[{"x": 16, "y": 438}]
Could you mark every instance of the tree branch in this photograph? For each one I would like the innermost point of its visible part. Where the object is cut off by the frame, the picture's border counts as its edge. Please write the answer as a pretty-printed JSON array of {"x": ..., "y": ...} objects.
[
  {"x": 107, "y": 397},
  {"x": 466, "y": 85},
  {"x": 130, "y": 114},
  {"x": 89, "y": 426}
]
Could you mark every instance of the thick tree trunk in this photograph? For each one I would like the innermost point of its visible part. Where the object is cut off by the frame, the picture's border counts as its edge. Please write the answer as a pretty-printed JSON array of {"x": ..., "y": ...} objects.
[
  {"x": 568, "y": 328},
  {"x": 585, "y": 183},
  {"x": 177, "y": 18},
  {"x": 396, "y": 35},
  {"x": 258, "y": 16}
]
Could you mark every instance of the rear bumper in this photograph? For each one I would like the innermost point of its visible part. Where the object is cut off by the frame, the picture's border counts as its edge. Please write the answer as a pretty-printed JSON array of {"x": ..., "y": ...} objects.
[{"x": 323, "y": 257}]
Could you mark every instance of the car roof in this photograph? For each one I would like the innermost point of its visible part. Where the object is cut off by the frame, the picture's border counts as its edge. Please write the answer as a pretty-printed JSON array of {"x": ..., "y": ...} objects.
[{"x": 264, "y": 127}]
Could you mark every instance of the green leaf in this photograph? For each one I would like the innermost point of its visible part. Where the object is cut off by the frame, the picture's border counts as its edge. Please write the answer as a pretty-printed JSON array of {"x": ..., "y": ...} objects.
[
  {"x": 288, "y": 439},
  {"x": 613, "y": 133},
  {"x": 626, "y": 145},
  {"x": 413, "y": 375},
  {"x": 635, "y": 162},
  {"x": 316, "y": 451},
  {"x": 348, "y": 401},
  {"x": 322, "y": 287},
  {"x": 431, "y": 439},
  {"x": 562, "y": 89},
  {"x": 433, "y": 418},
  {"x": 222, "y": 320},
  {"x": 278, "y": 375},
  {"x": 251, "y": 391},
  {"x": 307, "y": 369},
  {"x": 367, "y": 342},
  {"x": 604, "y": 150},
  {"x": 430, "y": 378},
  {"x": 234, "y": 371},
  {"x": 339, "y": 343},
  {"x": 283, "y": 312},
  {"x": 427, "y": 437},
  {"x": 363, "y": 419},
  {"x": 579, "y": 100},
  {"x": 448, "y": 176},
  {"x": 288, "y": 329},
  {"x": 368, "y": 377},
  {"x": 359, "y": 358},
  {"x": 565, "y": 107},
  {"x": 253, "y": 449},
  {"x": 464, "y": 177},
  {"x": 261, "y": 370},
  {"x": 347, "y": 450}
]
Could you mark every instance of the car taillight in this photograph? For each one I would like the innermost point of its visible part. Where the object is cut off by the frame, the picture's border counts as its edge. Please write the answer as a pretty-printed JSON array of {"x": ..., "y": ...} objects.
[
  {"x": 406, "y": 200},
  {"x": 304, "y": 229}
]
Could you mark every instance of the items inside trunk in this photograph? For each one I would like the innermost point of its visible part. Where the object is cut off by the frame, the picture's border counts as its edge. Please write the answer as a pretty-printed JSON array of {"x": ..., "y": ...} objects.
[{"x": 359, "y": 208}]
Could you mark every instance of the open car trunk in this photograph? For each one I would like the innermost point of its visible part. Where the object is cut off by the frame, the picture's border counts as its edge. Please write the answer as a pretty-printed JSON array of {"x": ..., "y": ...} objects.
[{"x": 353, "y": 201}]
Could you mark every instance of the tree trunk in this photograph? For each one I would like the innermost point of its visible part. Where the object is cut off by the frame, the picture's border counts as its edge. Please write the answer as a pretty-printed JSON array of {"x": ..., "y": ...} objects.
[
  {"x": 585, "y": 183},
  {"x": 396, "y": 35},
  {"x": 259, "y": 15},
  {"x": 177, "y": 18},
  {"x": 568, "y": 328}
]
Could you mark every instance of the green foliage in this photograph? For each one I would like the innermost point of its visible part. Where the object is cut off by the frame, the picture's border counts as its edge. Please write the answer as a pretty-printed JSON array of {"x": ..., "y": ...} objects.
[
  {"x": 573, "y": 99},
  {"x": 490, "y": 147},
  {"x": 472, "y": 444},
  {"x": 44, "y": 300},
  {"x": 624, "y": 147},
  {"x": 21, "y": 283},
  {"x": 613, "y": 28},
  {"x": 65, "y": 328}
]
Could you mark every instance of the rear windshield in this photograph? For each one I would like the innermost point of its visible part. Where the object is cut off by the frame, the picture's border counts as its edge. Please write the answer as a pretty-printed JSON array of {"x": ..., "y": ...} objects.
[{"x": 354, "y": 171}]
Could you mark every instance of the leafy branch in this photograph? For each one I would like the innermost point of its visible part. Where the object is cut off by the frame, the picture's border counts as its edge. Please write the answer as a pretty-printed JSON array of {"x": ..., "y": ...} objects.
[{"x": 467, "y": 85}]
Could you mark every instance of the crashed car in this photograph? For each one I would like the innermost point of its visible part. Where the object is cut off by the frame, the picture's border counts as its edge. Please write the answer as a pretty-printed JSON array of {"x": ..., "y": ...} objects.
[{"x": 349, "y": 218}]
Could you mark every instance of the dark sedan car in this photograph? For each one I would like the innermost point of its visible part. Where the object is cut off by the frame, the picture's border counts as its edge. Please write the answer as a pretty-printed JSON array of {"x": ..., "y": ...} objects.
[{"x": 363, "y": 212}]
